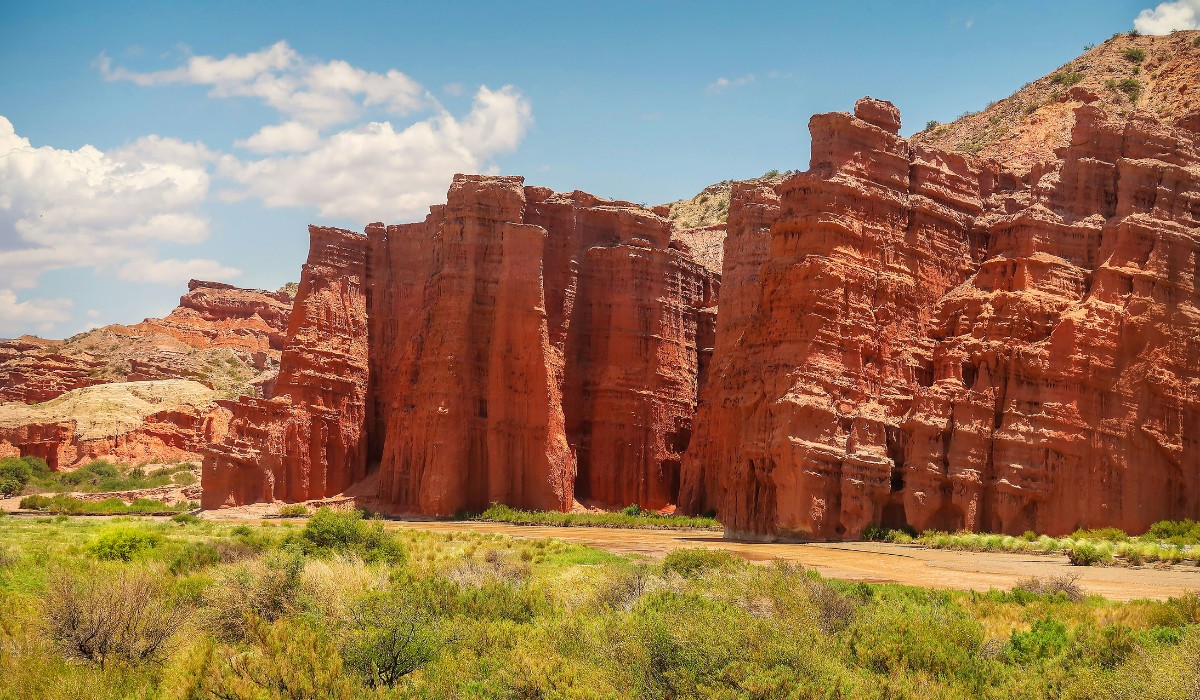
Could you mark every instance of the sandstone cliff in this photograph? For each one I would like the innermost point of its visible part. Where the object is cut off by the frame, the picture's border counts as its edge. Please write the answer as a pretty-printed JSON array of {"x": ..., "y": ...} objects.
[
  {"x": 307, "y": 441},
  {"x": 523, "y": 346},
  {"x": 948, "y": 342}
]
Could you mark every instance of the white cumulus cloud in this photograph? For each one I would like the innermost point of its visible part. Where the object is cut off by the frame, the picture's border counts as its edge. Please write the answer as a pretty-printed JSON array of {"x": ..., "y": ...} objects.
[
  {"x": 349, "y": 142},
  {"x": 312, "y": 92},
  {"x": 282, "y": 138},
  {"x": 377, "y": 171},
  {"x": 172, "y": 271},
  {"x": 87, "y": 208},
  {"x": 1168, "y": 17},
  {"x": 388, "y": 167},
  {"x": 17, "y": 316}
]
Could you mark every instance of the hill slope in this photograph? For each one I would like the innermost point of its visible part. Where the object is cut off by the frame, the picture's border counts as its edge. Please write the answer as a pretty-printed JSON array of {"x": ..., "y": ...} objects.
[{"x": 1155, "y": 75}]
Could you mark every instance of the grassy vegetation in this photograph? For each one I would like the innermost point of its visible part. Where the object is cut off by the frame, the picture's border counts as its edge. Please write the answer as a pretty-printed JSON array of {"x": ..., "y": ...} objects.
[
  {"x": 1135, "y": 55},
  {"x": 1171, "y": 541},
  {"x": 32, "y": 475},
  {"x": 342, "y": 608},
  {"x": 1132, "y": 87},
  {"x": 630, "y": 516},
  {"x": 1067, "y": 79},
  {"x": 69, "y": 505}
]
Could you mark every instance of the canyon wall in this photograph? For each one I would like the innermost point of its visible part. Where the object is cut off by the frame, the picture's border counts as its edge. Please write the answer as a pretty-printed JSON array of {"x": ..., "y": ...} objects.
[
  {"x": 935, "y": 340},
  {"x": 308, "y": 440},
  {"x": 521, "y": 346}
]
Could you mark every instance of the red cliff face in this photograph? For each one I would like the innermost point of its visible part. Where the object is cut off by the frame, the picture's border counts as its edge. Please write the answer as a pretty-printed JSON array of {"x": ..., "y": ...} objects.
[
  {"x": 215, "y": 315},
  {"x": 941, "y": 342},
  {"x": 551, "y": 351},
  {"x": 308, "y": 440},
  {"x": 518, "y": 346}
]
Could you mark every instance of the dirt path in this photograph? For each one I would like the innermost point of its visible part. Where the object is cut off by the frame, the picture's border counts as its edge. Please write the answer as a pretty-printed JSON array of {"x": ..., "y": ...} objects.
[{"x": 869, "y": 561}]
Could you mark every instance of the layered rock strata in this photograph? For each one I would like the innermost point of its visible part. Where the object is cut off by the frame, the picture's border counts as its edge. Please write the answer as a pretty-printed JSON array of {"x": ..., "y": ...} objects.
[
  {"x": 154, "y": 421},
  {"x": 308, "y": 440},
  {"x": 524, "y": 347},
  {"x": 944, "y": 342},
  {"x": 222, "y": 336}
]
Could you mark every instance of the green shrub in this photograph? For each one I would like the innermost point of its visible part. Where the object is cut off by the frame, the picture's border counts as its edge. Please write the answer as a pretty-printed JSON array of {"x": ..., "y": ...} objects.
[
  {"x": 294, "y": 510},
  {"x": 389, "y": 637},
  {"x": 193, "y": 557},
  {"x": 940, "y": 640},
  {"x": 185, "y": 519},
  {"x": 91, "y": 473},
  {"x": 931, "y": 124},
  {"x": 878, "y": 533},
  {"x": 1131, "y": 87},
  {"x": 1135, "y": 55},
  {"x": 185, "y": 479},
  {"x": 264, "y": 589},
  {"x": 126, "y": 616},
  {"x": 289, "y": 659},
  {"x": 35, "y": 503},
  {"x": 1196, "y": 42},
  {"x": 649, "y": 519},
  {"x": 124, "y": 543},
  {"x": 1108, "y": 534},
  {"x": 633, "y": 508},
  {"x": 15, "y": 473},
  {"x": 1106, "y": 647},
  {"x": 1178, "y": 532},
  {"x": 1045, "y": 639},
  {"x": 692, "y": 562},
  {"x": 330, "y": 531},
  {"x": 1087, "y": 555},
  {"x": 1067, "y": 79}
]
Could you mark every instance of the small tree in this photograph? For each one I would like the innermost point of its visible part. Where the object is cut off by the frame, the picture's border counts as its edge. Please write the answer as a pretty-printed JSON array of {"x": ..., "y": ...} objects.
[
  {"x": 389, "y": 638},
  {"x": 126, "y": 616},
  {"x": 15, "y": 473}
]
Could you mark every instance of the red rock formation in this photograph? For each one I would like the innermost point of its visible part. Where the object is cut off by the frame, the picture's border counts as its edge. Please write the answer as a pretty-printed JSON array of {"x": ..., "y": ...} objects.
[
  {"x": 942, "y": 342},
  {"x": 32, "y": 370},
  {"x": 165, "y": 437},
  {"x": 219, "y": 335},
  {"x": 513, "y": 340},
  {"x": 215, "y": 315},
  {"x": 753, "y": 208},
  {"x": 308, "y": 440},
  {"x": 162, "y": 421},
  {"x": 568, "y": 327}
]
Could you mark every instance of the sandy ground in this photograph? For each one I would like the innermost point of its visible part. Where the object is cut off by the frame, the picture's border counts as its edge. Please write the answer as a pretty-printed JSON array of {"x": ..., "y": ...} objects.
[{"x": 873, "y": 562}]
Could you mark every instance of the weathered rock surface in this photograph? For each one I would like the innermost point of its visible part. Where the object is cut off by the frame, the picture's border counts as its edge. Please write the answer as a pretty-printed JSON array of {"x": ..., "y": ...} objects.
[
  {"x": 523, "y": 347},
  {"x": 159, "y": 421},
  {"x": 308, "y": 440},
  {"x": 222, "y": 336},
  {"x": 947, "y": 342}
]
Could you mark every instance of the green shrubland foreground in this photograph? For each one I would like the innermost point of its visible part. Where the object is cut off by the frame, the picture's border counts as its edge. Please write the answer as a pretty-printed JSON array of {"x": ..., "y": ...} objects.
[{"x": 340, "y": 607}]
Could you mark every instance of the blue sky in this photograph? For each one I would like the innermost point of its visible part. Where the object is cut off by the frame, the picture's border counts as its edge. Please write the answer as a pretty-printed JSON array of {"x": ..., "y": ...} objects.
[{"x": 153, "y": 142}]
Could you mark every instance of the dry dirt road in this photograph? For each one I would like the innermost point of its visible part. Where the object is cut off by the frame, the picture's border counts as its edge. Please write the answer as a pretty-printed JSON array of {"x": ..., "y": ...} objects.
[{"x": 868, "y": 561}]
